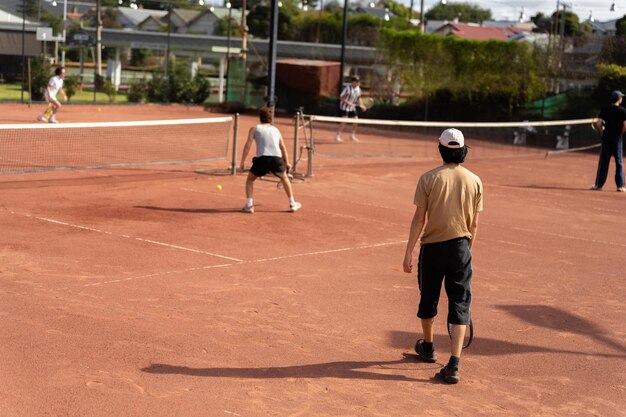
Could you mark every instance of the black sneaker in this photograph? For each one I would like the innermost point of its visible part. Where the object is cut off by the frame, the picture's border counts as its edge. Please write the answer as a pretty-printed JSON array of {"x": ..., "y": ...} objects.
[
  {"x": 430, "y": 357},
  {"x": 449, "y": 374}
]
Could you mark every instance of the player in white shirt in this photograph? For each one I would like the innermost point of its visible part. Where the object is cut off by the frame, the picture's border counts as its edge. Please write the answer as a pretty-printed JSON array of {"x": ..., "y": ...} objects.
[
  {"x": 54, "y": 87},
  {"x": 271, "y": 157},
  {"x": 349, "y": 100}
]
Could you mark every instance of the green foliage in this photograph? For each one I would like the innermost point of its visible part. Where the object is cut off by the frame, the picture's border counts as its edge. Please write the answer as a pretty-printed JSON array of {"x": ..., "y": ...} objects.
[
  {"x": 611, "y": 77},
  {"x": 572, "y": 23},
  {"x": 138, "y": 56},
  {"x": 40, "y": 72},
  {"x": 543, "y": 22},
  {"x": 138, "y": 91},
  {"x": 109, "y": 90},
  {"x": 480, "y": 75},
  {"x": 221, "y": 27},
  {"x": 613, "y": 51},
  {"x": 465, "y": 12},
  {"x": 620, "y": 26},
  {"x": 70, "y": 85},
  {"x": 178, "y": 87}
]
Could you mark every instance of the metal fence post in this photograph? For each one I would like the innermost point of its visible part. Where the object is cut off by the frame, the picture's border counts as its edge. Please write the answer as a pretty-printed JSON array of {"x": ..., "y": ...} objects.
[{"x": 233, "y": 166}]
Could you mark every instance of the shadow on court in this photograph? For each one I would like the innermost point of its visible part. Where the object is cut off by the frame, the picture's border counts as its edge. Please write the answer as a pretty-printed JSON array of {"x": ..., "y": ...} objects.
[
  {"x": 343, "y": 369},
  {"x": 193, "y": 211},
  {"x": 557, "y": 319},
  {"x": 485, "y": 346}
]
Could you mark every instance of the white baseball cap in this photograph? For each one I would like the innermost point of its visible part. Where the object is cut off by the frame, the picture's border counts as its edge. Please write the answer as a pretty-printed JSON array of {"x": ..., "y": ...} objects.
[{"x": 452, "y": 138}]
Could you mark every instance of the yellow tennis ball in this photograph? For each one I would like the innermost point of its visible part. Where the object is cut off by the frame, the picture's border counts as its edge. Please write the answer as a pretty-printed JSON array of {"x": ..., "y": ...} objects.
[
  {"x": 219, "y": 187},
  {"x": 99, "y": 109}
]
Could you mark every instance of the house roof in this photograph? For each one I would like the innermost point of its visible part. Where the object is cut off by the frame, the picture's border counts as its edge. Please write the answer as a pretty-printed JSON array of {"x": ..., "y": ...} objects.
[
  {"x": 602, "y": 28},
  {"x": 133, "y": 17},
  {"x": 186, "y": 15},
  {"x": 475, "y": 31}
]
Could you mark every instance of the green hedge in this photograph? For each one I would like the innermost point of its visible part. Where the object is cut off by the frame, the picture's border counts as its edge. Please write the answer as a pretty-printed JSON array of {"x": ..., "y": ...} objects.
[{"x": 465, "y": 79}]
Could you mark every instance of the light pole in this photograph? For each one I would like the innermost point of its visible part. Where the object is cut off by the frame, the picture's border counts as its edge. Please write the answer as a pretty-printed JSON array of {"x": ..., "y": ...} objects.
[
  {"x": 64, "y": 32},
  {"x": 344, "y": 36},
  {"x": 271, "y": 61},
  {"x": 230, "y": 13}
]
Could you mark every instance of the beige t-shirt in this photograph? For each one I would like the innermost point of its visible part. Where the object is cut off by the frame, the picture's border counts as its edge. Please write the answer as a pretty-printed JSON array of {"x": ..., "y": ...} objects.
[{"x": 452, "y": 196}]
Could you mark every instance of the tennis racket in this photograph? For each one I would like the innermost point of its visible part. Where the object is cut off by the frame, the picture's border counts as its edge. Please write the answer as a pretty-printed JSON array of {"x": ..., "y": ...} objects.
[
  {"x": 367, "y": 103},
  {"x": 469, "y": 334}
]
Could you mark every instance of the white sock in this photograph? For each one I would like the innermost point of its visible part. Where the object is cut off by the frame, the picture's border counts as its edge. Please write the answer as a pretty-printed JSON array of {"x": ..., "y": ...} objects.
[
  {"x": 249, "y": 202},
  {"x": 291, "y": 200}
]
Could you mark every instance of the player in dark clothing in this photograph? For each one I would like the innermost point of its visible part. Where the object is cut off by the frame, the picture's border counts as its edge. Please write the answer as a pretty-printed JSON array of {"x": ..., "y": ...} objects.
[{"x": 612, "y": 123}]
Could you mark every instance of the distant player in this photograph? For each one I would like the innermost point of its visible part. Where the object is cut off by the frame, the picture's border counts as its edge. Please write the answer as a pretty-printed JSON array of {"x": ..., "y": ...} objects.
[
  {"x": 349, "y": 100},
  {"x": 54, "y": 87},
  {"x": 450, "y": 197},
  {"x": 271, "y": 156},
  {"x": 612, "y": 123}
]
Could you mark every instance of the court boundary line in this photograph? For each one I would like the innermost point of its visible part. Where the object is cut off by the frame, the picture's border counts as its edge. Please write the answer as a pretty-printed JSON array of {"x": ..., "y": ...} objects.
[{"x": 139, "y": 239}]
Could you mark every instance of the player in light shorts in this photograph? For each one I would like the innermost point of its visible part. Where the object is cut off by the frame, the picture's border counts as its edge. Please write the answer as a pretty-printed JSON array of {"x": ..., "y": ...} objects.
[{"x": 54, "y": 87}]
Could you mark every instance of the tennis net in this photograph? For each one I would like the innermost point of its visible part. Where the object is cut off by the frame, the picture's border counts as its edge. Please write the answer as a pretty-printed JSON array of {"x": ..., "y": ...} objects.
[
  {"x": 48, "y": 147},
  {"x": 414, "y": 139}
]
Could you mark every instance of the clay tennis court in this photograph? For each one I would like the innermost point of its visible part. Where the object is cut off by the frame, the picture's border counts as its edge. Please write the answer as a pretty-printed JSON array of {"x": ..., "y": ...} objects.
[{"x": 143, "y": 291}]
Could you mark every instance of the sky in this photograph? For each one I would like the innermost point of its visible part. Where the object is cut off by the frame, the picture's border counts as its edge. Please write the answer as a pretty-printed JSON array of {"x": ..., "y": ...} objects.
[{"x": 510, "y": 9}]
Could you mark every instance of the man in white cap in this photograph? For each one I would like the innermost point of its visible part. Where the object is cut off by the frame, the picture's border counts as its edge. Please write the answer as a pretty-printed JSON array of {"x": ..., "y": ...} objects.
[{"x": 451, "y": 197}]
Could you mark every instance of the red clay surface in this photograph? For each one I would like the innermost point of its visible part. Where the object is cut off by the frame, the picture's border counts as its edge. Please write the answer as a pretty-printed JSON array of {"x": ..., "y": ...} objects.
[{"x": 142, "y": 291}]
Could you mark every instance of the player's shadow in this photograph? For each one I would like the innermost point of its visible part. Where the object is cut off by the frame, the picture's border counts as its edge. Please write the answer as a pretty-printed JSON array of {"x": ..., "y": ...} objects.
[
  {"x": 559, "y": 320},
  {"x": 193, "y": 211},
  {"x": 487, "y": 346},
  {"x": 341, "y": 369}
]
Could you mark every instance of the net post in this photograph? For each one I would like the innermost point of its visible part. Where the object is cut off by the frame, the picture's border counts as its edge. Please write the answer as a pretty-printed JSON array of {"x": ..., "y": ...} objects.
[
  {"x": 295, "y": 140},
  {"x": 310, "y": 150},
  {"x": 233, "y": 166}
]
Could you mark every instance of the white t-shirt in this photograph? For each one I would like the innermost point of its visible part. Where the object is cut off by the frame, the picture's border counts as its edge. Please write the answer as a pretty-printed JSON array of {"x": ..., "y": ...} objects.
[
  {"x": 267, "y": 138},
  {"x": 55, "y": 84}
]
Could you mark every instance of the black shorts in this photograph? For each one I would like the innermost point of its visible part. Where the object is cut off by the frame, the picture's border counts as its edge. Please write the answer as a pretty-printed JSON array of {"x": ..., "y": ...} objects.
[
  {"x": 262, "y": 165},
  {"x": 348, "y": 113},
  {"x": 452, "y": 261}
]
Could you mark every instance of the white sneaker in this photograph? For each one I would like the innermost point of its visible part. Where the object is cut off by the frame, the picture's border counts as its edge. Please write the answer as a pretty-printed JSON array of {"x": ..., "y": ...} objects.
[
  {"x": 248, "y": 209},
  {"x": 338, "y": 138},
  {"x": 40, "y": 118},
  {"x": 621, "y": 189},
  {"x": 596, "y": 188},
  {"x": 353, "y": 138},
  {"x": 295, "y": 206},
  {"x": 53, "y": 120}
]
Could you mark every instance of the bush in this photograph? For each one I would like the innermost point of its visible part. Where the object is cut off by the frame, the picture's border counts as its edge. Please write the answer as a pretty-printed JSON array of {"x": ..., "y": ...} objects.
[
  {"x": 40, "y": 73},
  {"x": 178, "y": 87},
  {"x": 70, "y": 85},
  {"x": 138, "y": 91},
  {"x": 109, "y": 90}
]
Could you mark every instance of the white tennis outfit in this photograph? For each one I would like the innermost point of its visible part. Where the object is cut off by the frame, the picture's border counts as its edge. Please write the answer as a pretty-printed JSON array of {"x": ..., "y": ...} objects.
[
  {"x": 267, "y": 138},
  {"x": 55, "y": 84}
]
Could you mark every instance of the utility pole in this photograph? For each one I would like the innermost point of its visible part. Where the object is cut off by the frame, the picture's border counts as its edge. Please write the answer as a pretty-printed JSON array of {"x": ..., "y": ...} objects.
[
  {"x": 422, "y": 24},
  {"x": 23, "y": 46},
  {"x": 344, "y": 37},
  {"x": 98, "y": 39},
  {"x": 271, "y": 61}
]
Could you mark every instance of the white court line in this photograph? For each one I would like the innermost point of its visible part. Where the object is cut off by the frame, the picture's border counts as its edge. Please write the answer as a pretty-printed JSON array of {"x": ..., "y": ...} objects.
[
  {"x": 322, "y": 252},
  {"x": 154, "y": 242},
  {"x": 156, "y": 274}
]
